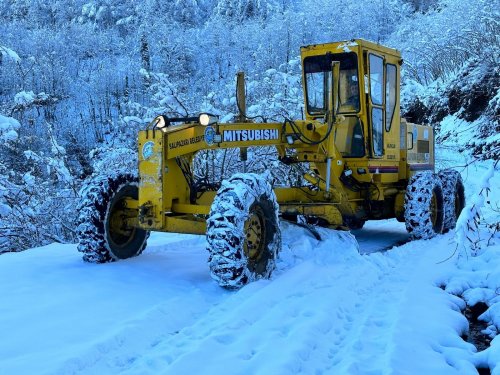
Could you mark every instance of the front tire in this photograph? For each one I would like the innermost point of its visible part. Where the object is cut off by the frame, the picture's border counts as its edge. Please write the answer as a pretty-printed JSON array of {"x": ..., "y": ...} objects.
[
  {"x": 104, "y": 230},
  {"x": 243, "y": 232},
  {"x": 454, "y": 197},
  {"x": 424, "y": 214}
]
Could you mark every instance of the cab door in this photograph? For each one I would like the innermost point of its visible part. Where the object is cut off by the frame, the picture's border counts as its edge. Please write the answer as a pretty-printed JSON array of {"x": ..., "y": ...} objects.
[{"x": 376, "y": 104}]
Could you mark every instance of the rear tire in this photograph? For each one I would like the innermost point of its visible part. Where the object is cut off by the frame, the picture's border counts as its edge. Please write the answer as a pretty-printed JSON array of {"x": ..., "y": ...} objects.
[
  {"x": 454, "y": 197},
  {"x": 243, "y": 233},
  {"x": 103, "y": 233},
  {"x": 424, "y": 214}
]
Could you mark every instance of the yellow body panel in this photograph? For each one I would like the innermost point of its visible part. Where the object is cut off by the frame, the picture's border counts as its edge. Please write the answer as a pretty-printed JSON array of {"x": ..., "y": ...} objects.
[
  {"x": 420, "y": 148},
  {"x": 151, "y": 171},
  {"x": 328, "y": 212},
  {"x": 361, "y": 166}
]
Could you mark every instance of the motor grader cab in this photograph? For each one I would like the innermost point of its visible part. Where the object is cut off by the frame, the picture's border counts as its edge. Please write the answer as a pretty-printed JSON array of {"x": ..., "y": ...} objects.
[{"x": 364, "y": 163}]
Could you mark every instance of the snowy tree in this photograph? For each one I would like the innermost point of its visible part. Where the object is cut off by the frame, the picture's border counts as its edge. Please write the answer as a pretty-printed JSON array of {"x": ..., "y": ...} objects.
[
  {"x": 422, "y": 5},
  {"x": 239, "y": 10},
  {"x": 90, "y": 74}
]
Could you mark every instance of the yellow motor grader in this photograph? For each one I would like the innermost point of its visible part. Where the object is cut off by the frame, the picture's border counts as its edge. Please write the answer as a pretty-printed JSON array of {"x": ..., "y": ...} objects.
[{"x": 364, "y": 163}]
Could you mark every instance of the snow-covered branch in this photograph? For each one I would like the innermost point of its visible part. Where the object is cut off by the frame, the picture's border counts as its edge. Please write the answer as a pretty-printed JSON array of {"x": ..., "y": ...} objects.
[{"x": 469, "y": 235}]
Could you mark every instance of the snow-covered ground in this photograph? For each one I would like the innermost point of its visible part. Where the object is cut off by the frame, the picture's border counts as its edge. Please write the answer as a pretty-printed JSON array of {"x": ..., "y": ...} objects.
[{"x": 330, "y": 308}]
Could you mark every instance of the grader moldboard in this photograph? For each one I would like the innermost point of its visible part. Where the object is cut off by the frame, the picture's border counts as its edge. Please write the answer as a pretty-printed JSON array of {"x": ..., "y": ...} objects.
[{"x": 365, "y": 163}]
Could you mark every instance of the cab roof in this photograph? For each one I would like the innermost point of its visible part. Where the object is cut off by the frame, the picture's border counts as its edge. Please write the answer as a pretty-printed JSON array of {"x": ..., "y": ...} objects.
[{"x": 349, "y": 46}]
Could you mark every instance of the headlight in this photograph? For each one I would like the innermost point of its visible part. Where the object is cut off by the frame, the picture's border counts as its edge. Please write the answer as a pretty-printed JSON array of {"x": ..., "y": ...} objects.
[
  {"x": 206, "y": 119},
  {"x": 160, "y": 122}
]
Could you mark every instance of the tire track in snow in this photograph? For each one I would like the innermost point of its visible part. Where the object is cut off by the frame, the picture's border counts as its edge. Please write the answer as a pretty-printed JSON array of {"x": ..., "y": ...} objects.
[
  {"x": 377, "y": 342},
  {"x": 293, "y": 311},
  {"x": 371, "y": 334},
  {"x": 253, "y": 328},
  {"x": 187, "y": 298},
  {"x": 238, "y": 320},
  {"x": 322, "y": 305}
]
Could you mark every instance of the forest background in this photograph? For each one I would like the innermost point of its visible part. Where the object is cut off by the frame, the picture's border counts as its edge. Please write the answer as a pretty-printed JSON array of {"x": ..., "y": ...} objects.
[{"x": 79, "y": 78}]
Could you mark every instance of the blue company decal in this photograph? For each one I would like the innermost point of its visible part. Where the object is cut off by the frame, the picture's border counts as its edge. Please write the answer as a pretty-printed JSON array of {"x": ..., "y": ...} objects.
[
  {"x": 209, "y": 135},
  {"x": 147, "y": 150},
  {"x": 242, "y": 135}
]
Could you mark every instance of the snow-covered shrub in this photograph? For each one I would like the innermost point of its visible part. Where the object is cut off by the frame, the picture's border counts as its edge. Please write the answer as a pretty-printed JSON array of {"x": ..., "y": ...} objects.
[
  {"x": 277, "y": 93},
  {"x": 438, "y": 43},
  {"x": 240, "y": 10},
  {"x": 106, "y": 13},
  {"x": 473, "y": 233},
  {"x": 34, "y": 212},
  {"x": 166, "y": 98},
  {"x": 469, "y": 97},
  {"x": 37, "y": 192},
  {"x": 451, "y": 72},
  {"x": 107, "y": 160},
  {"x": 8, "y": 129},
  {"x": 8, "y": 53}
]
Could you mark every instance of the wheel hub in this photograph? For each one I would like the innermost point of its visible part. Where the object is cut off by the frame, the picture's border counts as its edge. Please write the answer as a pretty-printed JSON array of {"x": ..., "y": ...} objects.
[
  {"x": 254, "y": 235},
  {"x": 120, "y": 232}
]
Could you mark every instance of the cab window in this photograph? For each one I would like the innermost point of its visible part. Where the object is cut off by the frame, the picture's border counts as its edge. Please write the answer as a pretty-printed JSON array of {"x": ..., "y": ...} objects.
[
  {"x": 390, "y": 94},
  {"x": 377, "y": 104},
  {"x": 377, "y": 131},
  {"x": 317, "y": 71},
  {"x": 376, "y": 79}
]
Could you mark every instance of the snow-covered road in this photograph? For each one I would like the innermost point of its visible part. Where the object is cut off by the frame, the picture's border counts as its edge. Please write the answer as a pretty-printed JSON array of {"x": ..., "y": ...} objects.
[
  {"x": 387, "y": 307},
  {"x": 327, "y": 310}
]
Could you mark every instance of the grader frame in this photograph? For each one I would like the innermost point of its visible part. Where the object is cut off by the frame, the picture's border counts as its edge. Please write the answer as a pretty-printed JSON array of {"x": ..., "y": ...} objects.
[
  {"x": 354, "y": 186},
  {"x": 364, "y": 162}
]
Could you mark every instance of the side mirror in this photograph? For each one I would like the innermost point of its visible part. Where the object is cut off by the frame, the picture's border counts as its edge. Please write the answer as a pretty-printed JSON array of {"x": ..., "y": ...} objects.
[{"x": 333, "y": 90}]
